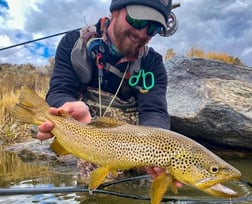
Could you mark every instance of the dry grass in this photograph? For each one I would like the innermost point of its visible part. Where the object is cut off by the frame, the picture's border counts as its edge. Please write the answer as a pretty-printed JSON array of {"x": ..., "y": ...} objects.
[{"x": 11, "y": 80}]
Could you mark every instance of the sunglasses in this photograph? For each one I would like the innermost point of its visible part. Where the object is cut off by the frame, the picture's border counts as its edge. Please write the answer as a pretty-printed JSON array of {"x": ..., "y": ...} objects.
[{"x": 153, "y": 27}]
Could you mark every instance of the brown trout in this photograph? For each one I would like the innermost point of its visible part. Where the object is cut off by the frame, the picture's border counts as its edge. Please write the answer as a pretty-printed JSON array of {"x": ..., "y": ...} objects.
[{"x": 115, "y": 145}]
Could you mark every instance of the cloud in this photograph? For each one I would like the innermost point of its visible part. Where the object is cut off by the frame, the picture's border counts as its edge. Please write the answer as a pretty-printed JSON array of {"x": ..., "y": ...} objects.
[{"x": 211, "y": 25}]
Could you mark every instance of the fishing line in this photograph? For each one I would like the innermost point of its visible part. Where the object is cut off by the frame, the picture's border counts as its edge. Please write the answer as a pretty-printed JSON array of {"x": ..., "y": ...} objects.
[
  {"x": 83, "y": 189},
  {"x": 104, "y": 185},
  {"x": 118, "y": 89},
  {"x": 247, "y": 183},
  {"x": 33, "y": 191},
  {"x": 38, "y": 39},
  {"x": 101, "y": 190}
]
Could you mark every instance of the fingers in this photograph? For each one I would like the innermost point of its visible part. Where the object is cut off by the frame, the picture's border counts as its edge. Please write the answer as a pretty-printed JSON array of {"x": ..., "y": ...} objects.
[
  {"x": 44, "y": 131},
  {"x": 178, "y": 184},
  {"x": 77, "y": 109},
  {"x": 54, "y": 111},
  {"x": 151, "y": 172},
  {"x": 156, "y": 171}
]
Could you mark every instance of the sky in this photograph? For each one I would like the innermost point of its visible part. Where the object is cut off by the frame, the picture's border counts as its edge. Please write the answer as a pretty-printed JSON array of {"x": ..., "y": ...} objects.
[{"x": 211, "y": 25}]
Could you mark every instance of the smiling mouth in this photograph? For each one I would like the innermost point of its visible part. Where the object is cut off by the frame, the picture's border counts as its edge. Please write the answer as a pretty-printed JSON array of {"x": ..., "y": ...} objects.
[{"x": 134, "y": 38}]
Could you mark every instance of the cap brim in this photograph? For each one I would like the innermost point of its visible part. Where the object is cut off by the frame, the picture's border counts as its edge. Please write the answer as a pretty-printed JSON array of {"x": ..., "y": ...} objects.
[{"x": 141, "y": 12}]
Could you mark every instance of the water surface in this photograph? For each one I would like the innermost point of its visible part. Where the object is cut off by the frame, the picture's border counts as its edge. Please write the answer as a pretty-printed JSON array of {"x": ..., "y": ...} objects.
[{"x": 16, "y": 174}]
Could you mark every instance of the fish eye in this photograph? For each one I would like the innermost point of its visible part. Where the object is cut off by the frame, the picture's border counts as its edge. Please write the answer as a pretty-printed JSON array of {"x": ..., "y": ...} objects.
[{"x": 214, "y": 169}]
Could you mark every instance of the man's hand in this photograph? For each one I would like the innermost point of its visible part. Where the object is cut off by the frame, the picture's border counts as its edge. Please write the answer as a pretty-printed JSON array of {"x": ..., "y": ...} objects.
[
  {"x": 156, "y": 171},
  {"x": 77, "y": 109}
]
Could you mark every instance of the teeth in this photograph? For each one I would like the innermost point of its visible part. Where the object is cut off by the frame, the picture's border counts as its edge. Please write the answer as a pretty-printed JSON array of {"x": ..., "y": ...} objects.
[{"x": 133, "y": 38}]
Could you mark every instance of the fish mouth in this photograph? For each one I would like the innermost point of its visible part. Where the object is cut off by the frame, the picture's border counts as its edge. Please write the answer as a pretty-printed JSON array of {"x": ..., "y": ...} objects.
[
  {"x": 222, "y": 191},
  {"x": 216, "y": 188}
]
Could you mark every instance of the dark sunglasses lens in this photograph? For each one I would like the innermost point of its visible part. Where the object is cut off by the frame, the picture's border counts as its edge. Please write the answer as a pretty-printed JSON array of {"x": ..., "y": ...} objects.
[
  {"x": 138, "y": 24},
  {"x": 153, "y": 29}
]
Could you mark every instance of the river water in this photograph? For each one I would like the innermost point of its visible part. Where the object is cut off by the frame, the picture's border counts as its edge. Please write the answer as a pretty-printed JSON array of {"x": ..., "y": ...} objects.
[{"x": 43, "y": 183}]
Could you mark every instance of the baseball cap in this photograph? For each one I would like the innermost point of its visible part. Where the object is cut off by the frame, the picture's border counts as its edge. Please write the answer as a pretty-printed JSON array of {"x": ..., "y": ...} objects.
[
  {"x": 145, "y": 13},
  {"x": 153, "y": 10}
]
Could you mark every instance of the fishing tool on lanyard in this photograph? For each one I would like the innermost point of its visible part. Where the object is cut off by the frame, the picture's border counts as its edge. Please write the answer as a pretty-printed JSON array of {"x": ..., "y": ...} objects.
[{"x": 98, "y": 51}]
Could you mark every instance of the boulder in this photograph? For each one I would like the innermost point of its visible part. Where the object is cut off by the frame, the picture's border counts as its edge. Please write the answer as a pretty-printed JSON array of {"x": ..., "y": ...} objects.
[
  {"x": 36, "y": 151},
  {"x": 211, "y": 102}
]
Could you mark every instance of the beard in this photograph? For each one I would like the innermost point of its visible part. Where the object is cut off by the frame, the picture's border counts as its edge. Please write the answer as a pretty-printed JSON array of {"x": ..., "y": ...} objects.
[{"x": 124, "y": 42}]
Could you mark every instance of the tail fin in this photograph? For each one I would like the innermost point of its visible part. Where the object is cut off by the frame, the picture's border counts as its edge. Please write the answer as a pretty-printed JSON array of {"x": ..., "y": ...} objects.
[{"x": 30, "y": 108}]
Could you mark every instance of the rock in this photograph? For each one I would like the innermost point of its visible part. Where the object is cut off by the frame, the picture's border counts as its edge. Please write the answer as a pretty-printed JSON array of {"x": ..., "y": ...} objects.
[
  {"x": 35, "y": 150},
  {"x": 211, "y": 102}
]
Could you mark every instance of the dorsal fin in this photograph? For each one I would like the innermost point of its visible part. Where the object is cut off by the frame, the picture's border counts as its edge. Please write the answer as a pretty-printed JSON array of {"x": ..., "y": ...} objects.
[{"x": 105, "y": 122}]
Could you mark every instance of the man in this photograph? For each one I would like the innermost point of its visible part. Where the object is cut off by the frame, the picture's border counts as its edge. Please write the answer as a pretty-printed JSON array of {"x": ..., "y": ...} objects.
[{"x": 112, "y": 58}]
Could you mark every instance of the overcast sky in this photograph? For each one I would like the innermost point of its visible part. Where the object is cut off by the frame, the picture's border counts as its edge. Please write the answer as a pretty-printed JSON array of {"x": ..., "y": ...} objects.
[{"x": 211, "y": 25}]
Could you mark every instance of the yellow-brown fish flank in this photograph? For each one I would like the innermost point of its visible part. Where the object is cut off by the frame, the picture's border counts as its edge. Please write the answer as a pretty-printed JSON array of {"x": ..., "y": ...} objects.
[{"x": 115, "y": 145}]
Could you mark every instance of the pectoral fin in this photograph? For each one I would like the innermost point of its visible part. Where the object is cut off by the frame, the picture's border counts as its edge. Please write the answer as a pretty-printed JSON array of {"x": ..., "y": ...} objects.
[
  {"x": 159, "y": 187},
  {"x": 97, "y": 177},
  {"x": 57, "y": 148}
]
